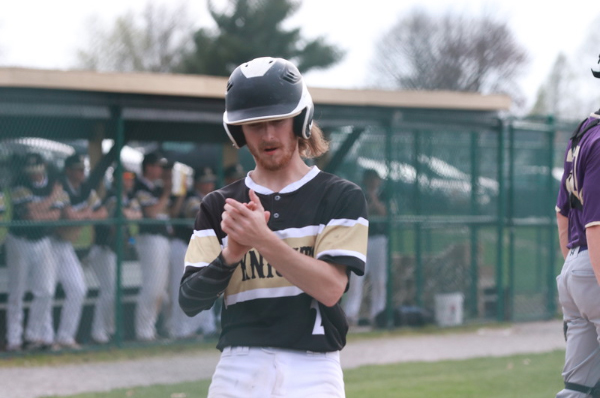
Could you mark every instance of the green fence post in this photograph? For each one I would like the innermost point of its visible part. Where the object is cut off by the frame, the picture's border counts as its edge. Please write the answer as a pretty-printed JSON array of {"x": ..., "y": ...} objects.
[
  {"x": 500, "y": 224},
  {"x": 118, "y": 180},
  {"x": 510, "y": 219},
  {"x": 417, "y": 202},
  {"x": 474, "y": 230},
  {"x": 389, "y": 288},
  {"x": 552, "y": 234}
]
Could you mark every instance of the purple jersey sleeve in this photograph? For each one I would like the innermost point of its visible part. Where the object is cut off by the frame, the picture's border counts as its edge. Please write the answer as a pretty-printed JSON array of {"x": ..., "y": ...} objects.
[{"x": 588, "y": 176}]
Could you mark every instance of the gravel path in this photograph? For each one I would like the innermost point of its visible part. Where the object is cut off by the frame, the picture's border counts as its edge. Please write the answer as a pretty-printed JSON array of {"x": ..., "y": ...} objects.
[{"x": 521, "y": 338}]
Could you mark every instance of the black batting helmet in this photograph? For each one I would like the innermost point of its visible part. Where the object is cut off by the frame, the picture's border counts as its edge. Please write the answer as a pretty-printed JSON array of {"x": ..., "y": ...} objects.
[{"x": 266, "y": 89}]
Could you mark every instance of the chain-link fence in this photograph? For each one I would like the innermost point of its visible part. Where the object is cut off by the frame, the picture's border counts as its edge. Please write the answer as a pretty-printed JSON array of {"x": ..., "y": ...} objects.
[
  {"x": 468, "y": 233},
  {"x": 471, "y": 223}
]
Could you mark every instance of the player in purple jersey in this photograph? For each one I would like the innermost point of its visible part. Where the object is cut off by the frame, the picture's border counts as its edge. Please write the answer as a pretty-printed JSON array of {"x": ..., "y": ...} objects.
[
  {"x": 279, "y": 244},
  {"x": 578, "y": 217}
]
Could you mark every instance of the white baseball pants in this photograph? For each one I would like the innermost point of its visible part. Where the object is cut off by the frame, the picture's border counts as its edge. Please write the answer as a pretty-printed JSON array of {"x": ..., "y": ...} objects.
[
  {"x": 30, "y": 265},
  {"x": 376, "y": 270},
  {"x": 255, "y": 372},
  {"x": 70, "y": 276},
  {"x": 181, "y": 325},
  {"x": 103, "y": 262},
  {"x": 579, "y": 295},
  {"x": 153, "y": 254}
]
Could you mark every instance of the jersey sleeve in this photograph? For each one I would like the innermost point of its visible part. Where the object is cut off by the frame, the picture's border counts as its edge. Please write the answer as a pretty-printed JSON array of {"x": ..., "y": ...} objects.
[
  {"x": 590, "y": 189},
  {"x": 94, "y": 200},
  {"x": 204, "y": 245},
  {"x": 145, "y": 198},
  {"x": 20, "y": 196},
  {"x": 191, "y": 207},
  {"x": 343, "y": 240},
  {"x": 206, "y": 276}
]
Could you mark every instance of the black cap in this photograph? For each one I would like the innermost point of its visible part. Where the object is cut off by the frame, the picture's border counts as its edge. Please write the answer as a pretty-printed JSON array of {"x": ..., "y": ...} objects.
[
  {"x": 369, "y": 174},
  {"x": 34, "y": 163},
  {"x": 235, "y": 171},
  {"x": 154, "y": 158},
  {"x": 205, "y": 175},
  {"x": 75, "y": 162}
]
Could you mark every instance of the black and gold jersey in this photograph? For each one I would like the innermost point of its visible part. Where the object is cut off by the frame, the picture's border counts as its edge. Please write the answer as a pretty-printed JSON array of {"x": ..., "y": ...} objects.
[
  {"x": 24, "y": 192},
  {"x": 148, "y": 194},
  {"x": 322, "y": 216}
]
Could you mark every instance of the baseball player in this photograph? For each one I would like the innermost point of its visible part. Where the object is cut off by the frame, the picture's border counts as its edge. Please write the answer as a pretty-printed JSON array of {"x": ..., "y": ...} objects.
[
  {"x": 376, "y": 266},
  {"x": 36, "y": 195},
  {"x": 279, "y": 244},
  {"x": 182, "y": 326},
  {"x": 103, "y": 259},
  {"x": 152, "y": 192},
  {"x": 578, "y": 217},
  {"x": 84, "y": 205}
]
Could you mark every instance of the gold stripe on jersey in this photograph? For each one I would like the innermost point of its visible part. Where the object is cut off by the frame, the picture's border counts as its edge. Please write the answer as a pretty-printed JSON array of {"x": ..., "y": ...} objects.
[
  {"x": 344, "y": 238},
  {"x": 204, "y": 247},
  {"x": 20, "y": 194}
]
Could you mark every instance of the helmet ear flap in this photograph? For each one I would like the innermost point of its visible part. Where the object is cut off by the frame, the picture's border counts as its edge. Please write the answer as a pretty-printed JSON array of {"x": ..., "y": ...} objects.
[
  {"x": 236, "y": 135},
  {"x": 303, "y": 123}
]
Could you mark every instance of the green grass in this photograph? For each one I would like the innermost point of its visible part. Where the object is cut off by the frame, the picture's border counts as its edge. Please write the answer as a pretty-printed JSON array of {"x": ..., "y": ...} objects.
[{"x": 529, "y": 376}]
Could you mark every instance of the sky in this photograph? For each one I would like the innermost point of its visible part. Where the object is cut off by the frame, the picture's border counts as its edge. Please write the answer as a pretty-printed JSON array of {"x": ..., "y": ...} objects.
[{"x": 46, "y": 34}]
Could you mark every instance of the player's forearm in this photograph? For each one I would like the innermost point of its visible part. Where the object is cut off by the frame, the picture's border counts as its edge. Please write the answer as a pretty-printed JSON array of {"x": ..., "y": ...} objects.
[
  {"x": 40, "y": 207},
  {"x": 323, "y": 281},
  {"x": 99, "y": 214},
  {"x": 199, "y": 289},
  {"x": 563, "y": 233},
  {"x": 593, "y": 240}
]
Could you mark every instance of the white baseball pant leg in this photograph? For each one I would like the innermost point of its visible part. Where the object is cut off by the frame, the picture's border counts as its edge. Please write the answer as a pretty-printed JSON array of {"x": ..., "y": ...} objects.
[
  {"x": 29, "y": 264},
  {"x": 377, "y": 263},
  {"x": 181, "y": 325},
  {"x": 103, "y": 262},
  {"x": 153, "y": 254},
  {"x": 579, "y": 295},
  {"x": 70, "y": 275},
  {"x": 353, "y": 297},
  {"x": 255, "y": 372}
]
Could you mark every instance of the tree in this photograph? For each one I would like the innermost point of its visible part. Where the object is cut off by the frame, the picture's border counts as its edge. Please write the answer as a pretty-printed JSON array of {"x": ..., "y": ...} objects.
[
  {"x": 449, "y": 52},
  {"x": 153, "y": 42},
  {"x": 569, "y": 92},
  {"x": 555, "y": 96},
  {"x": 251, "y": 29}
]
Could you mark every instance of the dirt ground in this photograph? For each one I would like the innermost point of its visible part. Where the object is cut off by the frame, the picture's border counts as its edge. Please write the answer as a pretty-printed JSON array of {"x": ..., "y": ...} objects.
[{"x": 520, "y": 338}]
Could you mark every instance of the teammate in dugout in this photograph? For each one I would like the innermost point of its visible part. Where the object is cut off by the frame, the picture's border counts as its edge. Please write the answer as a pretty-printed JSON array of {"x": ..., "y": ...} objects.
[
  {"x": 280, "y": 244},
  {"x": 36, "y": 195},
  {"x": 152, "y": 190},
  {"x": 180, "y": 325},
  {"x": 578, "y": 217}
]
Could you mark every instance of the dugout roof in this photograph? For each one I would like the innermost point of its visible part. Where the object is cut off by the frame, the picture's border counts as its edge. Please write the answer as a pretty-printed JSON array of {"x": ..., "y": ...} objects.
[{"x": 75, "y": 104}]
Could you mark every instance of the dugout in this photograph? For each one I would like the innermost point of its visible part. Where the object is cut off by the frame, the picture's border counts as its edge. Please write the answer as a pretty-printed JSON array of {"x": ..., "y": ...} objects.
[{"x": 182, "y": 115}]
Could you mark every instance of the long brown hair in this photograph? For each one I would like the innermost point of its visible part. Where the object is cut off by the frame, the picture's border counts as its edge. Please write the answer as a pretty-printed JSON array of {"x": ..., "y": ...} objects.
[{"x": 314, "y": 146}]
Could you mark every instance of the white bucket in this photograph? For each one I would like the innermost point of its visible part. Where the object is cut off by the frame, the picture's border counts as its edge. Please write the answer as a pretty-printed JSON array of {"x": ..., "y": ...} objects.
[{"x": 449, "y": 309}]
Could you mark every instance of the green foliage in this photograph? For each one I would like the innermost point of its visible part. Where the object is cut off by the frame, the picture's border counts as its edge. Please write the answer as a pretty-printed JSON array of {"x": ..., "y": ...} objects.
[{"x": 251, "y": 29}]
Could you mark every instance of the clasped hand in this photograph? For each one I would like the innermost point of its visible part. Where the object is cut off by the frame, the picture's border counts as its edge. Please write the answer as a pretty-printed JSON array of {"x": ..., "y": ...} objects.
[{"x": 245, "y": 224}]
